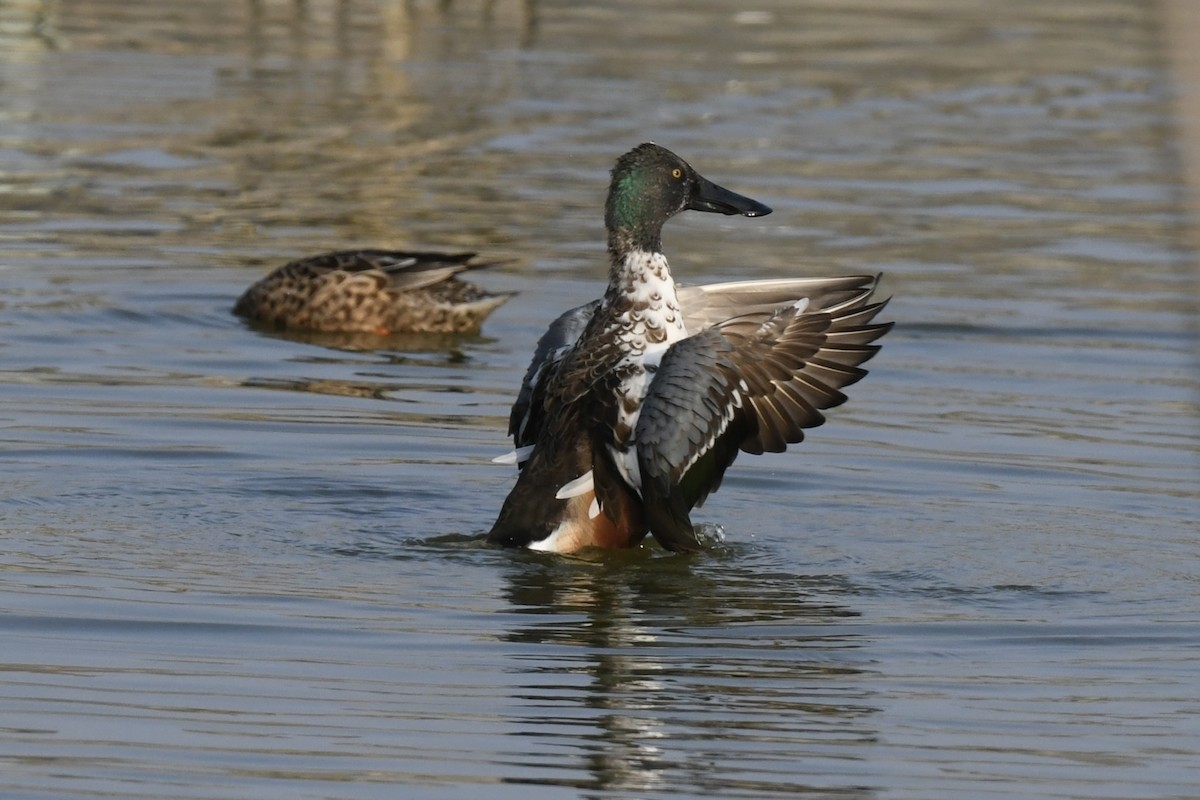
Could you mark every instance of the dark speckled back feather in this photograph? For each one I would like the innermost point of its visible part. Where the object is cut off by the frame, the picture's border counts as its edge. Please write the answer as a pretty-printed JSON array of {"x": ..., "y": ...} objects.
[{"x": 372, "y": 291}]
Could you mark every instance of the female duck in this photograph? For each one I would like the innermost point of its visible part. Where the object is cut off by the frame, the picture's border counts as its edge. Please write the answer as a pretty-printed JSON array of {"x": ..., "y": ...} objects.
[
  {"x": 636, "y": 404},
  {"x": 372, "y": 291}
]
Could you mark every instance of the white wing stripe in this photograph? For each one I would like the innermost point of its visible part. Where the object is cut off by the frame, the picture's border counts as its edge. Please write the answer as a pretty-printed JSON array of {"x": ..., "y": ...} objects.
[
  {"x": 581, "y": 485},
  {"x": 735, "y": 402},
  {"x": 518, "y": 456}
]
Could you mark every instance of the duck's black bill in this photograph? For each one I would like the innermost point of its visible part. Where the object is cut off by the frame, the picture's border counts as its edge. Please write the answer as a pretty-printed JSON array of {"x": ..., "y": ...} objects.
[{"x": 708, "y": 196}]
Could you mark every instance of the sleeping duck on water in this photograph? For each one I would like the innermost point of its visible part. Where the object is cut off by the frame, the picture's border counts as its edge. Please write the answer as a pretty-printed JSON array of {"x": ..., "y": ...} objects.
[
  {"x": 635, "y": 404},
  {"x": 372, "y": 291}
]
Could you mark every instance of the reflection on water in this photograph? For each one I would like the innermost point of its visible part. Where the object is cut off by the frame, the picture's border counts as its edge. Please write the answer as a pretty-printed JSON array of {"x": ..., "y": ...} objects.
[
  {"x": 240, "y": 564},
  {"x": 368, "y": 342},
  {"x": 672, "y": 667}
]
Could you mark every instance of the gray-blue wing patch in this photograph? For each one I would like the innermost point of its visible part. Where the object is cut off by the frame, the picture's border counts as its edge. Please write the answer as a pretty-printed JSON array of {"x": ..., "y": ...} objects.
[
  {"x": 753, "y": 383},
  {"x": 525, "y": 421},
  {"x": 688, "y": 432}
]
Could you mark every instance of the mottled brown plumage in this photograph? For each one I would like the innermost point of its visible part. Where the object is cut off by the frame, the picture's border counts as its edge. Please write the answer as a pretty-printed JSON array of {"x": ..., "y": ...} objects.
[{"x": 372, "y": 291}]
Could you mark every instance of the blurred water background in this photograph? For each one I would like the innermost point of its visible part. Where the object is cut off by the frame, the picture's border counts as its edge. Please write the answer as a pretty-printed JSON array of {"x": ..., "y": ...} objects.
[{"x": 247, "y": 565}]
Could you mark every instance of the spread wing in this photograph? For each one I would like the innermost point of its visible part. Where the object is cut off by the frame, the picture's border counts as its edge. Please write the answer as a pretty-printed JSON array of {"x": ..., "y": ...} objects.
[
  {"x": 703, "y": 306},
  {"x": 752, "y": 383},
  {"x": 706, "y": 305},
  {"x": 525, "y": 421}
]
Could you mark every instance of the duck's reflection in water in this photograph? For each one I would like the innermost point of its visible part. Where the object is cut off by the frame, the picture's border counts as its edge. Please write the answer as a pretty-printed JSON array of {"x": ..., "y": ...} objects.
[{"x": 682, "y": 675}]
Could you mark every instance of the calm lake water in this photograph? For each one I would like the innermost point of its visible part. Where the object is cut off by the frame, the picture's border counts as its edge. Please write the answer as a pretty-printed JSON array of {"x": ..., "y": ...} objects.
[{"x": 239, "y": 565}]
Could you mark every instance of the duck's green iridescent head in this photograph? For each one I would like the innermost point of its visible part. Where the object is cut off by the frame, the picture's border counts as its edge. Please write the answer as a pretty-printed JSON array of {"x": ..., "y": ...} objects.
[{"x": 650, "y": 184}]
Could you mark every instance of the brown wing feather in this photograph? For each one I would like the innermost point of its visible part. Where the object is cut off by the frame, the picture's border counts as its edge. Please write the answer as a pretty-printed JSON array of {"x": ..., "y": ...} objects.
[
  {"x": 752, "y": 383},
  {"x": 406, "y": 270}
]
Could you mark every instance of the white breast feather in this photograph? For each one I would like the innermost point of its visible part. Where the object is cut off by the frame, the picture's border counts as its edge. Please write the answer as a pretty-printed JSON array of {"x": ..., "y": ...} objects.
[{"x": 657, "y": 308}]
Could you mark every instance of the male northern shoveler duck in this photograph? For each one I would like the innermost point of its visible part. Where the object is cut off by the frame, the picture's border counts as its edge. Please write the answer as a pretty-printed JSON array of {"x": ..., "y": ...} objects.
[
  {"x": 636, "y": 404},
  {"x": 372, "y": 291}
]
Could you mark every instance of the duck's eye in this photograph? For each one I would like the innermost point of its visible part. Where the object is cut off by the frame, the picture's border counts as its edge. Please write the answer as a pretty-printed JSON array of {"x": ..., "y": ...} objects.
[{"x": 677, "y": 173}]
